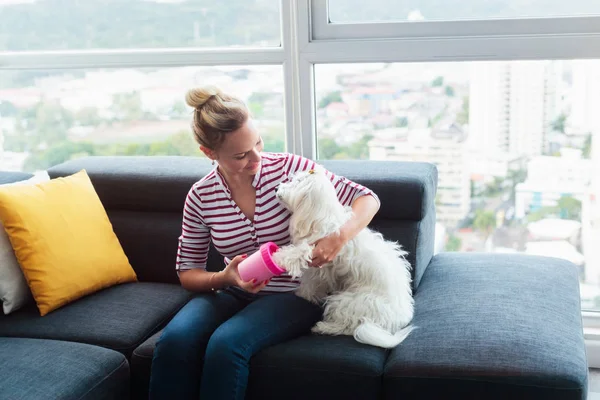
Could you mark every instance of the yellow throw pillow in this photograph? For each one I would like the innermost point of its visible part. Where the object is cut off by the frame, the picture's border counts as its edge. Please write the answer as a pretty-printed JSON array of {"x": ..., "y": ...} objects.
[{"x": 63, "y": 240}]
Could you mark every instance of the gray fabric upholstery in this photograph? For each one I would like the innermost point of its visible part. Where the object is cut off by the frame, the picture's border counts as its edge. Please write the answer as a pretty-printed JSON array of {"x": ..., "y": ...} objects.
[
  {"x": 119, "y": 318},
  {"x": 141, "y": 366},
  {"x": 149, "y": 239},
  {"x": 494, "y": 327},
  {"x": 32, "y": 369},
  {"x": 161, "y": 183},
  {"x": 297, "y": 368},
  {"x": 317, "y": 367},
  {"x": 144, "y": 198},
  {"x": 13, "y": 176}
]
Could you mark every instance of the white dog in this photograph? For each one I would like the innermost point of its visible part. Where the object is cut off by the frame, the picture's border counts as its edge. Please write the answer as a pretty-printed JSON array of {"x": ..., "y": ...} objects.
[{"x": 366, "y": 290}]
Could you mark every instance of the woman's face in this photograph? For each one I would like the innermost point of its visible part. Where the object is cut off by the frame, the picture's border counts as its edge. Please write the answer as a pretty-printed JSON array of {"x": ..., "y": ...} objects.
[{"x": 240, "y": 152}]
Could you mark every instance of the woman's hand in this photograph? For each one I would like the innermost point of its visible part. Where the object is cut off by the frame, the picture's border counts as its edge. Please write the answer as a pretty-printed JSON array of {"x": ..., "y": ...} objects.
[
  {"x": 327, "y": 249},
  {"x": 232, "y": 277}
]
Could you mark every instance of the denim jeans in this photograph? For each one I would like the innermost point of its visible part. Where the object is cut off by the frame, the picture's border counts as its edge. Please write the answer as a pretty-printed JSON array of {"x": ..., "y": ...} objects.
[{"x": 205, "y": 350}]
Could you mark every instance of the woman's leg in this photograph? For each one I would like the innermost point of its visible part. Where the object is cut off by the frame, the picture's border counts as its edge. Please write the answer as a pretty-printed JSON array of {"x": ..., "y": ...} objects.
[
  {"x": 178, "y": 357},
  {"x": 265, "y": 322}
]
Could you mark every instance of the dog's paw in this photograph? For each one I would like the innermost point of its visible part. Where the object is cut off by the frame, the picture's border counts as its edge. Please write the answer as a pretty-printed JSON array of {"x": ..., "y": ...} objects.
[{"x": 327, "y": 328}]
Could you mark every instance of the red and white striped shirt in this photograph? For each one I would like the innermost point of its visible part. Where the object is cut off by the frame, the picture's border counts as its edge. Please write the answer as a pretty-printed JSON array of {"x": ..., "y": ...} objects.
[{"x": 210, "y": 214}]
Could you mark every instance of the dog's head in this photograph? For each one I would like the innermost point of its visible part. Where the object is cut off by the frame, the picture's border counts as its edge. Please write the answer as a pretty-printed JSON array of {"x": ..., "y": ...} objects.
[
  {"x": 306, "y": 189},
  {"x": 311, "y": 198}
]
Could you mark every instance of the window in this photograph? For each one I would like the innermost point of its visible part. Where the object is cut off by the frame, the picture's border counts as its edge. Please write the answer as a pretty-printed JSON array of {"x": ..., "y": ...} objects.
[
  {"x": 343, "y": 11},
  {"x": 96, "y": 24},
  {"x": 526, "y": 186},
  {"x": 50, "y": 116}
]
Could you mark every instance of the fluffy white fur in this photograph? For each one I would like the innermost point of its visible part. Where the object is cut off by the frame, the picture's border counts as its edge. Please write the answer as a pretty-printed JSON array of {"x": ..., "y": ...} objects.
[{"x": 366, "y": 290}]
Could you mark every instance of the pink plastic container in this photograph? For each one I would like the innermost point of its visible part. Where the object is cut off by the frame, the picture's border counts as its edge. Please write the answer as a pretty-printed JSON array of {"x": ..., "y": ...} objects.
[{"x": 260, "y": 265}]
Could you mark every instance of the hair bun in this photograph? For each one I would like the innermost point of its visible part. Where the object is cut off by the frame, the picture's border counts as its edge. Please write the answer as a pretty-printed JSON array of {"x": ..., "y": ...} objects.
[{"x": 197, "y": 97}]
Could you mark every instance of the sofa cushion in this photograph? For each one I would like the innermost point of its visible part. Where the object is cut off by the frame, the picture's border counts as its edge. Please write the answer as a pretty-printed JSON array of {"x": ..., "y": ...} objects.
[
  {"x": 14, "y": 291},
  {"x": 120, "y": 317},
  {"x": 33, "y": 369},
  {"x": 493, "y": 327},
  {"x": 310, "y": 367},
  {"x": 317, "y": 367},
  {"x": 141, "y": 366},
  {"x": 13, "y": 176},
  {"x": 139, "y": 182}
]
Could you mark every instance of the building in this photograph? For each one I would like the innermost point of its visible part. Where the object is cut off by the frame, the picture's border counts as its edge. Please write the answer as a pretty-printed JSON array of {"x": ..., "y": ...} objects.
[
  {"x": 446, "y": 149},
  {"x": 512, "y": 106},
  {"x": 585, "y": 96},
  {"x": 549, "y": 179}
]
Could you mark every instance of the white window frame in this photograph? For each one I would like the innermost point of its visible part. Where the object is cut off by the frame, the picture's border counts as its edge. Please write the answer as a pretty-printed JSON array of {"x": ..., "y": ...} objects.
[
  {"x": 308, "y": 39},
  {"x": 323, "y": 28}
]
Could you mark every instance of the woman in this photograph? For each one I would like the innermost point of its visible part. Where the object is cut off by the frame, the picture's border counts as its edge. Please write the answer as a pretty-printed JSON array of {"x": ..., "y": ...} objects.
[{"x": 205, "y": 350}]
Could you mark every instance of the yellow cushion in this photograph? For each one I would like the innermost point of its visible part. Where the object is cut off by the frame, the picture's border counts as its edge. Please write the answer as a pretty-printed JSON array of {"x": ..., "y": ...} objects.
[{"x": 63, "y": 240}]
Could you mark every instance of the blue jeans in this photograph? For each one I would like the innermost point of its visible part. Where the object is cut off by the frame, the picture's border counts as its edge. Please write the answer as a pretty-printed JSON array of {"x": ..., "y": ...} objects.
[{"x": 205, "y": 350}]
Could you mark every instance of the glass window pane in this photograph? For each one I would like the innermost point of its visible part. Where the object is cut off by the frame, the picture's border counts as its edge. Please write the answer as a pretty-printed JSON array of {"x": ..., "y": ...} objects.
[
  {"x": 48, "y": 117},
  {"x": 100, "y": 24},
  {"x": 436, "y": 10},
  {"x": 515, "y": 143}
]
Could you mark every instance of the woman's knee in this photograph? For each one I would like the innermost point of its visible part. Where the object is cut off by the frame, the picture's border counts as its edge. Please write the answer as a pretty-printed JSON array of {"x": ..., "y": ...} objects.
[{"x": 226, "y": 344}]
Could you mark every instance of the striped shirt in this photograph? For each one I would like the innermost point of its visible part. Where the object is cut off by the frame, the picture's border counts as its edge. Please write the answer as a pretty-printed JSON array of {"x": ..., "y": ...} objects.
[{"x": 210, "y": 214}]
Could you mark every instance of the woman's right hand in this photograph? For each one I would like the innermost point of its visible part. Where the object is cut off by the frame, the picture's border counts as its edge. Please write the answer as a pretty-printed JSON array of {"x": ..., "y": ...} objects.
[{"x": 232, "y": 277}]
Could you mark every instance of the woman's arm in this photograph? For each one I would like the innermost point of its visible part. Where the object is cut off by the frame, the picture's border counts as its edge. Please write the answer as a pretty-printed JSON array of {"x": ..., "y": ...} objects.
[
  {"x": 364, "y": 209},
  {"x": 200, "y": 280}
]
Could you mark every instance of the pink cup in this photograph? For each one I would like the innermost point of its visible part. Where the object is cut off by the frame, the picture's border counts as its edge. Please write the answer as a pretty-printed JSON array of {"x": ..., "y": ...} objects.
[{"x": 260, "y": 265}]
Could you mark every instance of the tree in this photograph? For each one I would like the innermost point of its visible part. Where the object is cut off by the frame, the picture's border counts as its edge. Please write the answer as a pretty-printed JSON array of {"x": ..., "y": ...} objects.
[
  {"x": 401, "y": 122},
  {"x": 515, "y": 177},
  {"x": 463, "y": 116},
  {"x": 332, "y": 97},
  {"x": 559, "y": 123},
  {"x": 438, "y": 82},
  {"x": 484, "y": 222},
  {"x": 569, "y": 208},
  {"x": 7, "y": 109},
  {"x": 328, "y": 148},
  {"x": 454, "y": 243},
  {"x": 543, "y": 212},
  {"x": 88, "y": 116},
  {"x": 586, "y": 152},
  {"x": 449, "y": 91},
  {"x": 256, "y": 109},
  {"x": 127, "y": 106},
  {"x": 179, "y": 109},
  {"x": 359, "y": 150}
]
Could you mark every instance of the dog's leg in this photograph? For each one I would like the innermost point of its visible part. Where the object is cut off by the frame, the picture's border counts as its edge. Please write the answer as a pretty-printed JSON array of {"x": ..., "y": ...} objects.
[
  {"x": 313, "y": 287},
  {"x": 294, "y": 258}
]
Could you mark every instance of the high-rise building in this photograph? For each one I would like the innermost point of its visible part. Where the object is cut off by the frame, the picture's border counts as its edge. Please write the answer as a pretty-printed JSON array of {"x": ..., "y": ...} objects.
[
  {"x": 512, "y": 106},
  {"x": 444, "y": 147},
  {"x": 585, "y": 97}
]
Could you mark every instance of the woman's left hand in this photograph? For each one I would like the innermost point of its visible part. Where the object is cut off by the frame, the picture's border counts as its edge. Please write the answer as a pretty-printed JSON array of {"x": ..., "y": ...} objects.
[{"x": 327, "y": 249}]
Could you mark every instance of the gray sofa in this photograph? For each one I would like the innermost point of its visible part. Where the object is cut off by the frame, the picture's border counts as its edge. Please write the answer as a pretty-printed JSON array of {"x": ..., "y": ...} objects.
[{"x": 489, "y": 326}]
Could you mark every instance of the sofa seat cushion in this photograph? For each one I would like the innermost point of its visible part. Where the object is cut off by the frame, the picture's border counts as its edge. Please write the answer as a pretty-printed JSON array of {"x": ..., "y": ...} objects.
[
  {"x": 33, "y": 369},
  {"x": 317, "y": 367},
  {"x": 141, "y": 366},
  {"x": 310, "y": 367},
  {"x": 493, "y": 327},
  {"x": 120, "y": 317}
]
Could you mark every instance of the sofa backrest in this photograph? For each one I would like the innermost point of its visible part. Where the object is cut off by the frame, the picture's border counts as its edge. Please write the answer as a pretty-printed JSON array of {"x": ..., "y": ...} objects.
[{"x": 144, "y": 199}]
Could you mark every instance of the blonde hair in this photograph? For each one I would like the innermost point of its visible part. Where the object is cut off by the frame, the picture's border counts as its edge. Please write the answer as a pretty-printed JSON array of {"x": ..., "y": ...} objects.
[{"x": 215, "y": 115}]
